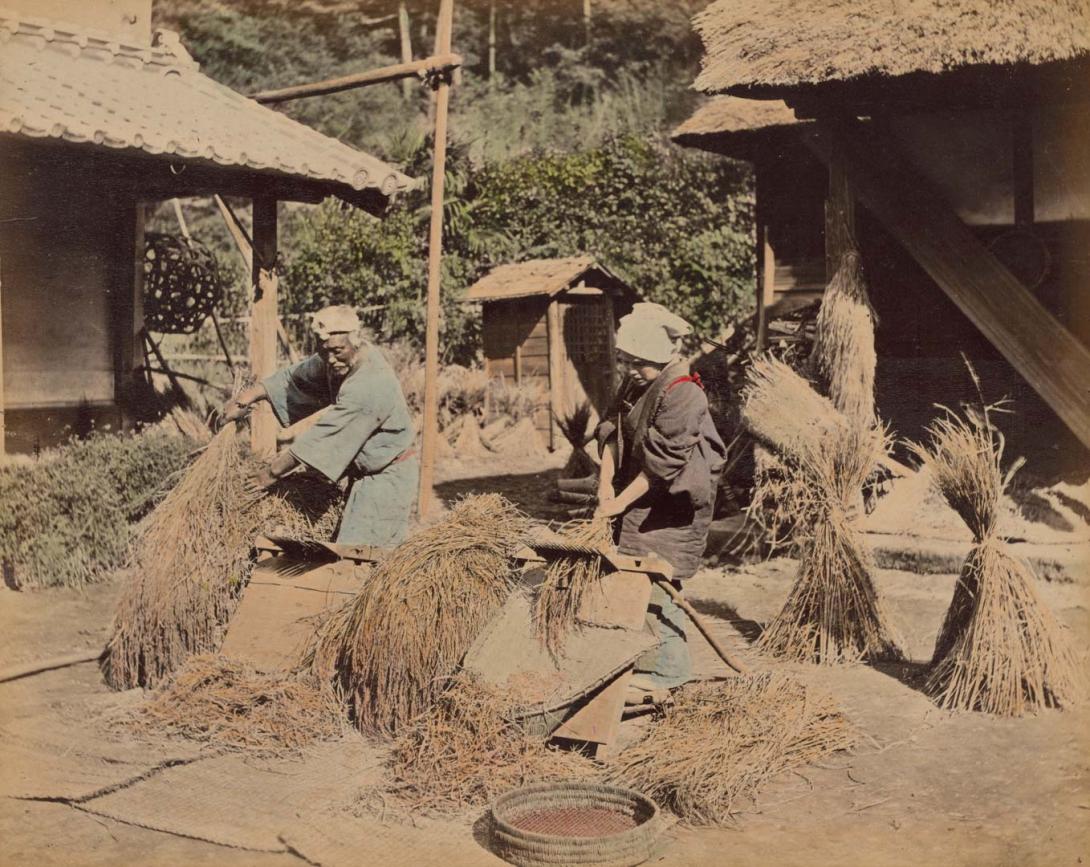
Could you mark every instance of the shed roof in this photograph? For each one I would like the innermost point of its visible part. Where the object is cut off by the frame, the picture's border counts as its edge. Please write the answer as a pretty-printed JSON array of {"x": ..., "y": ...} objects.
[
  {"x": 62, "y": 83},
  {"x": 538, "y": 277},
  {"x": 733, "y": 124},
  {"x": 785, "y": 43}
]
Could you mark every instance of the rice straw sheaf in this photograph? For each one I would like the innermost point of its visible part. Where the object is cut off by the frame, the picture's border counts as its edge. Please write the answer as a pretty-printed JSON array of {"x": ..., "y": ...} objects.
[
  {"x": 193, "y": 556},
  {"x": 465, "y": 751},
  {"x": 1000, "y": 650},
  {"x": 843, "y": 359},
  {"x": 833, "y": 613},
  {"x": 406, "y": 630},
  {"x": 718, "y": 743},
  {"x": 228, "y": 704},
  {"x": 567, "y": 580}
]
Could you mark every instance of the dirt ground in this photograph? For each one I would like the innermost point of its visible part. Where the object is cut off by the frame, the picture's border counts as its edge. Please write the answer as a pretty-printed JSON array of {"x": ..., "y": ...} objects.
[{"x": 927, "y": 787}]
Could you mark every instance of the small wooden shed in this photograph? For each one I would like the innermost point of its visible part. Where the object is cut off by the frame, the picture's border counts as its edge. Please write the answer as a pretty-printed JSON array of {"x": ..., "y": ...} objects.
[{"x": 552, "y": 322}]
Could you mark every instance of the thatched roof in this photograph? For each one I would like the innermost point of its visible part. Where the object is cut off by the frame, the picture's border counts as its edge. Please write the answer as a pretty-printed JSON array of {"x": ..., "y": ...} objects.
[
  {"x": 543, "y": 277},
  {"x": 781, "y": 44},
  {"x": 734, "y": 125}
]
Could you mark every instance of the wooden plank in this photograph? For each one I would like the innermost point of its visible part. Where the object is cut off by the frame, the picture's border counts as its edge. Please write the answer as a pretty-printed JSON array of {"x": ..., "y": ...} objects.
[
  {"x": 3, "y": 427},
  {"x": 263, "y": 320},
  {"x": 535, "y": 345},
  {"x": 535, "y": 365},
  {"x": 430, "y": 433},
  {"x": 1045, "y": 353},
  {"x": 557, "y": 391},
  {"x": 500, "y": 367}
]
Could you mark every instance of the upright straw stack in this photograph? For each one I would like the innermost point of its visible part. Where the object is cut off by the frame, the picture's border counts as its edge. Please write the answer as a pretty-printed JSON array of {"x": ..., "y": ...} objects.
[
  {"x": 833, "y": 613},
  {"x": 1000, "y": 649}
]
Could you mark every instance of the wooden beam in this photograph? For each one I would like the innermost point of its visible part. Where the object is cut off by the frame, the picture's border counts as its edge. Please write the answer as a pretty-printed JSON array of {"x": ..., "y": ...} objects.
[
  {"x": 263, "y": 315},
  {"x": 1054, "y": 362},
  {"x": 3, "y": 428},
  {"x": 430, "y": 434},
  {"x": 441, "y": 64}
]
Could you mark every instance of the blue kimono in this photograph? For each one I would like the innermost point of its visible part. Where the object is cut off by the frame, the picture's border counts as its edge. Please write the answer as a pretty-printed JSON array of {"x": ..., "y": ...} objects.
[{"x": 366, "y": 436}]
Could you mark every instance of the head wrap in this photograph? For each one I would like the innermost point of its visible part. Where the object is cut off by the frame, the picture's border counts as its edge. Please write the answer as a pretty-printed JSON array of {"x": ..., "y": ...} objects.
[
  {"x": 335, "y": 319},
  {"x": 652, "y": 332}
]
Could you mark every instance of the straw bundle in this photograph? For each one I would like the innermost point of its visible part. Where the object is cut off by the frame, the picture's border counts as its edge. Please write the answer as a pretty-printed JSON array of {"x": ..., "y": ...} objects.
[
  {"x": 416, "y": 616},
  {"x": 467, "y": 443},
  {"x": 193, "y": 556},
  {"x": 465, "y": 751},
  {"x": 567, "y": 579},
  {"x": 833, "y": 612},
  {"x": 1000, "y": 649},
  {"x": 226, "y": 703},
  {"x": 519, "y": 440},
  {"x": 719, "y": 742},
  {"x": 843, "y": 358}
]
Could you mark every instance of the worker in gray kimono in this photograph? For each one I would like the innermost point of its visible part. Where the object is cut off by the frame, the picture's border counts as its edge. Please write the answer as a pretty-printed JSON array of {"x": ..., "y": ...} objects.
[
  {"x": 661, "y": 459},
  {"x": 365, "y": 436}
]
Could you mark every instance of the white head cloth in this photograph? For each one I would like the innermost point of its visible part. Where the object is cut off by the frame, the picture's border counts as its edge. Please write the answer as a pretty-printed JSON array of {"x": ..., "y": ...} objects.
[
  {"x": 652, "y": 332},
  {"x": 335, "y": 319}
]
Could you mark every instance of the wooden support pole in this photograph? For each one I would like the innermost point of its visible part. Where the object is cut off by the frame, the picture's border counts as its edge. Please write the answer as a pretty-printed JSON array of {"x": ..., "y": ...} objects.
[
  {"x": 557, "y": 396},
  {"x": 179, "y": 215},
  {"x": 1050, "y": 358},
  {"x": 839, "y": 218},
  {"x": 3, "y": 428},
  {"x": 442, "y": 63},
  {"x": 263, "y": 317},
  {"x": 492, "y": 43},
  {"x": 406, "y": 39},
  {"x": 435, "y": 254},
  {"x": 766, "y": 286}
]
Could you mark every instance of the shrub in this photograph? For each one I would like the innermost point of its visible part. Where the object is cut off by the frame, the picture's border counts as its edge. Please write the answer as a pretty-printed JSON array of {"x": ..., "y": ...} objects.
[{"x": 66, "y": 519}]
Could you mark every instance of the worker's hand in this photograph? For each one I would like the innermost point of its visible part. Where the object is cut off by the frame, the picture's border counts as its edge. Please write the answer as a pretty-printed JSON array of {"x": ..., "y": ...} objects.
[
  {"x": 260, "y": 482},
  {"x": 605, "y": 491},
  {"x": 233, "y": 411},
  {"x": 609, "y": 508}
]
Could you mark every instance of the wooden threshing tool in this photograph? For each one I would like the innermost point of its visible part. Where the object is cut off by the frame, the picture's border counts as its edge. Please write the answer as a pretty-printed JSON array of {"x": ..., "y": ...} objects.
[{"x": 293, "y": 583}]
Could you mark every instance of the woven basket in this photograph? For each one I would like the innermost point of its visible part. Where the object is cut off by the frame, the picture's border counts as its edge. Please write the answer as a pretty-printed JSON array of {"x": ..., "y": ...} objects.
[{"x": 527, "y": 848}]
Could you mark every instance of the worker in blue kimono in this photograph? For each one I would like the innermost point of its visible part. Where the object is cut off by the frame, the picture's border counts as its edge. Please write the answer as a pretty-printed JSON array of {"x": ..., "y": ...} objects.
[
  {"x": 661, "y": 459},
  {"x": 365, "y": 436}
]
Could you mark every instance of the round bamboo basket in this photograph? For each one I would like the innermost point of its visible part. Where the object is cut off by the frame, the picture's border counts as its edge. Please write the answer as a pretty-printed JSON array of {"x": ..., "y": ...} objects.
[{"x": 574, "y": 823}]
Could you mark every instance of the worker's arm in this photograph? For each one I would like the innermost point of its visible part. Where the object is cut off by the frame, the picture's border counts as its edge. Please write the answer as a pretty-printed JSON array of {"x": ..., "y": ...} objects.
[
  {"x": 620, "y": 504},
  {"x": 240, "y": 404},
  {"x": 606, "y": 471},
  {"x": 280, "y": 466}
]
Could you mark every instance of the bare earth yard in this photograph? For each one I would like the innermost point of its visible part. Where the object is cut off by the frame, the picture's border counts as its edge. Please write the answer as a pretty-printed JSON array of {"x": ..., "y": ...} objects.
[{"x": 927, "y": 788}]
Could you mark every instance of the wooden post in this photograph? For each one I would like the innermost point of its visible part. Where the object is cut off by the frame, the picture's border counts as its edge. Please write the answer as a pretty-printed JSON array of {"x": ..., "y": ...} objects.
[
  {"x": 557, "y": 392},
  {"x": 3, "y": 429},
  {"x": 435, "y": 254},
  {"x": 406, "y": 46},
  {"x": 263, "y": 318},
  {"x": 839, "y": 218},
  {"x": 587, "y": 22},
  {"x": 766, "y": 285},
  {"x": 492, "y": 43}
]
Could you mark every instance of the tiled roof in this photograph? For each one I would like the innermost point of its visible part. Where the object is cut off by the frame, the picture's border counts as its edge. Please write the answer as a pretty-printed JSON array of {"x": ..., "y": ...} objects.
[
  {"x": 534, "y": 277},
  {"x": 63, "y": 83}
]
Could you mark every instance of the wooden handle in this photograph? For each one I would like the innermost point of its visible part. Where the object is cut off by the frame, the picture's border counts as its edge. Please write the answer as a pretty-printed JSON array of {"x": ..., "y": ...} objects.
[{"x": 736, "y": 664}]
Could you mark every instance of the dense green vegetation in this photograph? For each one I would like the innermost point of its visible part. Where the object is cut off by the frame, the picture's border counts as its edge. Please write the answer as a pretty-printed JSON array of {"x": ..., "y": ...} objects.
[{"x": 559, "y": 147}]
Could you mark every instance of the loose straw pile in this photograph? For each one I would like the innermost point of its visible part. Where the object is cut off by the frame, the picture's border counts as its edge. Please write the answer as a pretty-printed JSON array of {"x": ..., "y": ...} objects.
[
  {"x": 843, "y": 359},
  {"x": 833, "y": 612},
  {"x": 465, "y": 751},
  {"x": 225, "y": 703},
  {"x": 192, "y": 557},
  {"x": 1000, "y": 649},
  {"x": 720, "y": 742},
  {"x": 411, "y": 624},
  {"x": 567, "y": 580}
]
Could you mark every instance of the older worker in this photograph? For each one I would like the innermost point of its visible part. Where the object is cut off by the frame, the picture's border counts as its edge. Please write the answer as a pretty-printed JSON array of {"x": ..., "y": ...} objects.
[
  {"x": 366, "y": 436},
  {"x": 661, "y": 457}
]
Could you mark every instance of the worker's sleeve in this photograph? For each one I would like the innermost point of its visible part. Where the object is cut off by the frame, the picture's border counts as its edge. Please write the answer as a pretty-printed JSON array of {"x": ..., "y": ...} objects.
[
  {"x": 674, "y": 433},
  {"x": 337, "y": 437},
  {"x": 298, "y": 390},
  {"x": 604, "y": 434}
]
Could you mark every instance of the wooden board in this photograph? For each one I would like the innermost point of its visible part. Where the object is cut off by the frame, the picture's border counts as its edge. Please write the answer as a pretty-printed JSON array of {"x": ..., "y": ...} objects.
[
  {"x": 275, "y": 617},
  {"x": 622, "y": 602}
]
